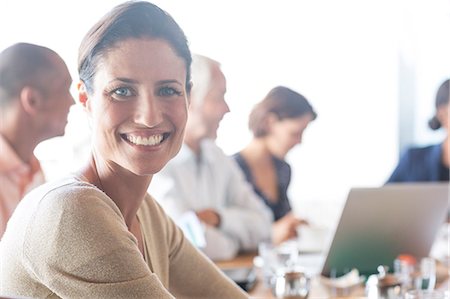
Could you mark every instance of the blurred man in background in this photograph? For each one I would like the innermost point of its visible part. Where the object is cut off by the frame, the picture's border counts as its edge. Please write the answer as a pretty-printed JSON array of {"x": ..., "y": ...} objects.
[
  {"x": 203, "y": 180},
  {"x": 34, "y": 103}
]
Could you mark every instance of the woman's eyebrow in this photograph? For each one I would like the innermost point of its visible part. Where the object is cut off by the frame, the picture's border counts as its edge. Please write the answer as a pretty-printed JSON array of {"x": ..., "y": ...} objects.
[
  {"x": 160, "y": 82},
  {"x": 126, "y": 80}
]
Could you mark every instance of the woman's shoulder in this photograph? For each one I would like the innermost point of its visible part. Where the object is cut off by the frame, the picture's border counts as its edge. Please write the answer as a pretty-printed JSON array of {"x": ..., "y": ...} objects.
[
  {"x": 150, "y": 209},
  {"x": 67, "y": 195},
  {"x": 281, "y": 164},
  {"x": 68, "y": 188},
  {"x": 240, "y": 160},
  {"x": 65, "y": 208},
  {"x": 154, "y": 220}
]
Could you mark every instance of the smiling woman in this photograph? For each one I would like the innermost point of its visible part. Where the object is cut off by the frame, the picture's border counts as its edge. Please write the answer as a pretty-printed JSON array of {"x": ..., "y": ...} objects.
[{"x": 97, "y": 233}]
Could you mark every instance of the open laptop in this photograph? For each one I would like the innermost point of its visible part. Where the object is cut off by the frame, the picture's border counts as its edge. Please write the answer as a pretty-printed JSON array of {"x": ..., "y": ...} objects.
[{"x": 378, "y": 224}]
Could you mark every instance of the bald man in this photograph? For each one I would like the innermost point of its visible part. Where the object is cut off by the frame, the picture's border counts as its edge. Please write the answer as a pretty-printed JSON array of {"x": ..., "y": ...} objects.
[
  {"x": 203, "y": 180},
  {"x": 34, "y": 104}
]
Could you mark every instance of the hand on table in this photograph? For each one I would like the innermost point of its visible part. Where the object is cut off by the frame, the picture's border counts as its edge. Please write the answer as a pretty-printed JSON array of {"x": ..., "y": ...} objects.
[
  {"x": 209, "y": 216},
  {"x": 286, "y": 228}
]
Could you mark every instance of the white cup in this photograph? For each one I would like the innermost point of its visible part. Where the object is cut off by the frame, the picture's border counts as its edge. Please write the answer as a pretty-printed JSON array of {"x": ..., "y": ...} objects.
[{"x": 311, "y": 238}]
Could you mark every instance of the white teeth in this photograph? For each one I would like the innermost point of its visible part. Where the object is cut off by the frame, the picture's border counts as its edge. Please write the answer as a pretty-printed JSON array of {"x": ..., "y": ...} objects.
[{"x": 151, "y": 140}]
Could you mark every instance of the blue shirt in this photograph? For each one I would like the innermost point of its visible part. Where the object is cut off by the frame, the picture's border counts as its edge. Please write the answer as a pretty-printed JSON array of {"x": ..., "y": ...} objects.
[
  {"x": 282, "y": 206},
  {"x": 421, "y": 164}
]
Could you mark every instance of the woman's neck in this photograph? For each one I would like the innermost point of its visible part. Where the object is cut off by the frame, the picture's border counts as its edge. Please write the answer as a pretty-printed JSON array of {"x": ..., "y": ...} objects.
[
  {"x": 126, "y": 189},
  {"x": 257, "y": 148},
  {"x": 275, "y": 148},
  {"x": 446, "y": 152}
]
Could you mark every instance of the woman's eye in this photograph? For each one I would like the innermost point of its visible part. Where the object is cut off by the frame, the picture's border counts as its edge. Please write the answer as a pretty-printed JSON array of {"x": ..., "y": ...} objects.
[
  {"x": 168, "y": 91},
  {"x": 122, "y": 92}
]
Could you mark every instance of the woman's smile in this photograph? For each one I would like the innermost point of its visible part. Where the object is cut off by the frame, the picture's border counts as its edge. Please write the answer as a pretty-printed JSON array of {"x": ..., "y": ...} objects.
[{"x": 146, "y": 141}]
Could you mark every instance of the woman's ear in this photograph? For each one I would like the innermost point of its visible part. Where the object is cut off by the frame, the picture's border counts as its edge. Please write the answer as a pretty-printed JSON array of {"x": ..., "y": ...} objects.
[
  {"x": 83, "y": 97},
  {"x": 272, "y": 118},
  {"x": 269, "y": 121}
]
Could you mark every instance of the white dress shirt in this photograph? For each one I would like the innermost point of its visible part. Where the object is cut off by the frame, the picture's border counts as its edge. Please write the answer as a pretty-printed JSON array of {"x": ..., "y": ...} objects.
[{"x": 214, "y": 181}]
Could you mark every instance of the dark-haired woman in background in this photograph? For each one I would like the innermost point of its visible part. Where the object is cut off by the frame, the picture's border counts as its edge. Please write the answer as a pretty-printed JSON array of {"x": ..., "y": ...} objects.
[
  {"x": 430, "y": 163},
  {"x": 97, "y": 233},
  {"x": 277, "y": 124}
]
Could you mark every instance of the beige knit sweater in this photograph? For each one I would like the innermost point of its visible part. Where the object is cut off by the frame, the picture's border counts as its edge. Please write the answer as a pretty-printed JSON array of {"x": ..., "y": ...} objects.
[{"x": 68, "y": 239}]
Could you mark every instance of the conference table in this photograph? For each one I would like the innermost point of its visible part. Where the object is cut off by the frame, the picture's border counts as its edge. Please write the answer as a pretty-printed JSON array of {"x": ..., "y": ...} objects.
[
  {"x": 318, "y": 289},
  {"x": 260, "y": 291}
]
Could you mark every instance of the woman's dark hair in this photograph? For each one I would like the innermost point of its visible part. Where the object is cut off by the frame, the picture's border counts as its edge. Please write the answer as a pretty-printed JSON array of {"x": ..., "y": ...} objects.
[
  {"x": 442, "y": 97},
  {"x": 282, "y": 102},
  {"x": 132, "y": 19}
]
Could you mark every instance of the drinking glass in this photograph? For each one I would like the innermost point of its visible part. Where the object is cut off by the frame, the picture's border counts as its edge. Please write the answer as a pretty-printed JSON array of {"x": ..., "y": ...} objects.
[
  {"x": 267, "y": 251},
  {"x": 404, "y": 270},
  {"x": 426, "y": 275},
  {"x": 277, "y": 259},
  {"x": 292, "y": 285}
]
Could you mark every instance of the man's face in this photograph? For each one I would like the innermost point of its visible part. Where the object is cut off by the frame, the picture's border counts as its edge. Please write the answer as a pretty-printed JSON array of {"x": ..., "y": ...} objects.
[
  {"x": 214, "y": 106},
  {"x": 58, "y": 99}
]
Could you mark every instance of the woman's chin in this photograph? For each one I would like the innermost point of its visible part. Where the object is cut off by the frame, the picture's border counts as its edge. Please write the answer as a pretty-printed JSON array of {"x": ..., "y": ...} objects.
[{"x": 146, "y": 171}]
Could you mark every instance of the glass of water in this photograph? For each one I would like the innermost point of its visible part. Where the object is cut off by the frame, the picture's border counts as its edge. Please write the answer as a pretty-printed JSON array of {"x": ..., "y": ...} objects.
[
  {"x": 425, "y": 278},
  {"x": 292, "y": 285}
]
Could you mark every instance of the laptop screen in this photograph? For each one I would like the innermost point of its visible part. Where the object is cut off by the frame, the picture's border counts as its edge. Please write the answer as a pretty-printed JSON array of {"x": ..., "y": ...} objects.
[{"x": 378, "y": 224}]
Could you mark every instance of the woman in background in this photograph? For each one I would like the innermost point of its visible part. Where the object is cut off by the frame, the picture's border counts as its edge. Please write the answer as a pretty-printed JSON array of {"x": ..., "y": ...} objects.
[
  {"x": 277, "y": 124},
  {"x": 430, "y": 163},
  {"x": 97, "y": 233}
]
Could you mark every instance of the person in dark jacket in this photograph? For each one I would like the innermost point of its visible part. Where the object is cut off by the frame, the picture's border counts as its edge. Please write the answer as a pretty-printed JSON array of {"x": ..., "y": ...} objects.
[{"x": 430, "y": 163}]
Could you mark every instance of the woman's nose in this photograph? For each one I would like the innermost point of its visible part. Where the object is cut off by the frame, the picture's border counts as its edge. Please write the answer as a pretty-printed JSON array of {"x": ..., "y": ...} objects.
[{"x": 148, "y": 113}]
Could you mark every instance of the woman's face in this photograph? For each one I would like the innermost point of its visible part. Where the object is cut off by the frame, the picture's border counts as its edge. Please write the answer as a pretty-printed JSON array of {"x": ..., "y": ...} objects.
[
  {"x": 443, "y": 116},
  {"x": 288, "y": 132},
  {"x": 138, "y": 108}
]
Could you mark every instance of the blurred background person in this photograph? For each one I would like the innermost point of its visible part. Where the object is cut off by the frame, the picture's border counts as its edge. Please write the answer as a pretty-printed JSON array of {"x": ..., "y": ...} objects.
[
  {"x": 277, "y": 124},
  {"x": 430, "y": 163},
  {"x": 202, "y": 179},
  {"x": 34, "y": 103}
]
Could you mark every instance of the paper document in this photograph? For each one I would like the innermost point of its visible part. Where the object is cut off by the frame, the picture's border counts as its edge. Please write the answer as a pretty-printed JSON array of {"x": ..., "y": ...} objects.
[{"x": 193, "y": 229}]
